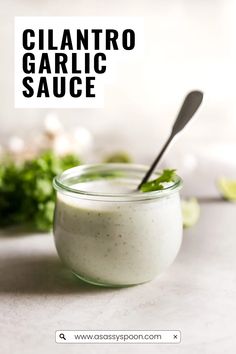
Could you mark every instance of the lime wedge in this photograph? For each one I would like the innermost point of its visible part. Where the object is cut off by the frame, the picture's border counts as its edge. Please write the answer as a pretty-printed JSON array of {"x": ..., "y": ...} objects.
[
  {"x": 227, "y": 188},
  {"x": 118, "y": 157},
  {"x": 190, "y": 212}
]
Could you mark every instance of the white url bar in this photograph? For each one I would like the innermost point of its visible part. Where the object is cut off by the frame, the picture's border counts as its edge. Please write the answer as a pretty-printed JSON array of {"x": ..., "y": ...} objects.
[{"x": 112, "y": 337}]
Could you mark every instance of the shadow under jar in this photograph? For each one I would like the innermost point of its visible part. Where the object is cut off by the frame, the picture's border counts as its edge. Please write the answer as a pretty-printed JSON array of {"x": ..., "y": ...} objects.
[{"x": 108, "y": 233}]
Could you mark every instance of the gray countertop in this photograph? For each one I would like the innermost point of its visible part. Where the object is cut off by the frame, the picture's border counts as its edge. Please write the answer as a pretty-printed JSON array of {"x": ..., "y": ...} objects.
[{"x": 197, "y": 295}]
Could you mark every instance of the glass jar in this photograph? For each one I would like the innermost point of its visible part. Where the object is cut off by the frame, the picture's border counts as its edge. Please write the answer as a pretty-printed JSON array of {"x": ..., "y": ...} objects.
[{"x": 107, "y": 233}]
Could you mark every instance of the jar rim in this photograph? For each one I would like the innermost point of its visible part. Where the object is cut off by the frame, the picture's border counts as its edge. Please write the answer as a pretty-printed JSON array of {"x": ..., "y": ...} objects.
[{"x": 83, "y": 170}]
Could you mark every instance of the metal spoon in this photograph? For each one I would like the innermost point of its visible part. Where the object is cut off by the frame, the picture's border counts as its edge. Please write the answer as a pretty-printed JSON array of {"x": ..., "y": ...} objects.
[{"x": 189, "y": 107}]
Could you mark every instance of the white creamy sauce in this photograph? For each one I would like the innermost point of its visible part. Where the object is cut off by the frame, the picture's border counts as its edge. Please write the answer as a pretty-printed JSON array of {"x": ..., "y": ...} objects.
[
  {"x": 117, "y": 243},
  {"x": 107, "y": 186}
]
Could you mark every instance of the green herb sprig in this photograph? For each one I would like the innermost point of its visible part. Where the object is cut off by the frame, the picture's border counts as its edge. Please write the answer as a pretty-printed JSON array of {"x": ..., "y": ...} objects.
[
  {"x": 26, "y": 192},
  {"x": 166, "y": 176}
]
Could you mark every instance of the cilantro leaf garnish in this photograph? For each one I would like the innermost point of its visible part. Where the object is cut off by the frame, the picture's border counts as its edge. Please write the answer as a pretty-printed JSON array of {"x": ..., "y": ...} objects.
[{"x": 167, "y": 175}]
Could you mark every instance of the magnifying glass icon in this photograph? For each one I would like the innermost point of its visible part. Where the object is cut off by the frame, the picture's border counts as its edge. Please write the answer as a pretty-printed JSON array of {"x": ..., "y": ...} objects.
[{"x": 62, "y": 336}]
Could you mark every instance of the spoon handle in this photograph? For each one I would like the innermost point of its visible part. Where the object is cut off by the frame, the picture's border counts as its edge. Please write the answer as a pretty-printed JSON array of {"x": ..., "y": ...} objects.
[
  {"x": 155, "y": 162},
  {"x": 189, "y": 107}
]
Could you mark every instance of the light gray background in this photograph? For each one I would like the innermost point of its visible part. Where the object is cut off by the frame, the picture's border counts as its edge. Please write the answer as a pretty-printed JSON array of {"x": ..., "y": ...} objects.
[
  {"x": 188, "y": 44},
  {"x": 196, "y": 295}
]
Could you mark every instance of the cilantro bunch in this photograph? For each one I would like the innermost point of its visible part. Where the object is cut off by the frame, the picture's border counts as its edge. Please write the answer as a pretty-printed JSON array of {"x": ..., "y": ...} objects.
[{"x": 26, "y": 191}]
